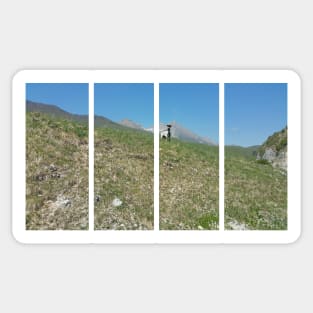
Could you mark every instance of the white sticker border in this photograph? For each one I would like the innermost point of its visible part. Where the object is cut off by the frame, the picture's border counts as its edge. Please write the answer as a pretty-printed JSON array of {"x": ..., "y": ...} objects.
[{"x": 156, "y": 76}]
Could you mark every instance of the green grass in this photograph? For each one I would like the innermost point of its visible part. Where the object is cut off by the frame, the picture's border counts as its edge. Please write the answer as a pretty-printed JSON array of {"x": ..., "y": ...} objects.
[
  {"x": 255, "y": 194},
  {"x": 263, "y": 161},
  {"x": 242, "y": 152},
  {"x": 123, "y": 169},
  {"x": 56, "y": 171},
  {"x": 188, "y": 186}
]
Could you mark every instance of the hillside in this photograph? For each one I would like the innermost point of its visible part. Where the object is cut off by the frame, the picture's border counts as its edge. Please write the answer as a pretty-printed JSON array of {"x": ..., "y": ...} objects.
[
  {"x": 56, "y": 112},
  {"x": 182, "y": 133},
  {"x": 188, "y": 186},
  {"x": 245, "y": 152},
  {"x": 57, "y": 179},
  {"x": 56, "y": 173},
  {"x": 255, "y": 191},
  {"x": 277, "y": 141},
  {"x": 129, "y": 123},
  {"x": 123, "y": 179}
]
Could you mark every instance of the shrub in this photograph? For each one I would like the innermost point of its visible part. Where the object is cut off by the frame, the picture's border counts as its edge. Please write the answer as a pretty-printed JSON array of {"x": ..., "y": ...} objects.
[{"x": 263, "y": 161}]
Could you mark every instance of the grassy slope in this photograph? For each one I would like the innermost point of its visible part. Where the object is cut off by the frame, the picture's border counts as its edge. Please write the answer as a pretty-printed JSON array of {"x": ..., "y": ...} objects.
[
  {"x": 188, "y": 186},
  {"x": 56, "y": 172},
  {"x": 123, "y": 170},
  {"x": 255, "y": 194},
  {"x": 245, "y": 152}
]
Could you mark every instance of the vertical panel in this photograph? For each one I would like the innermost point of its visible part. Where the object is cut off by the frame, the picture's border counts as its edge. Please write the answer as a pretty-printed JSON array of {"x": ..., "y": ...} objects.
[
  {"x": 189, "y": 170},
  {"x": 221, "y": 155},
  {"x": 56, "y": 156},
  {"x": 156, "y": 157},
  {"x": 124, "y": 156},
  {"x": 256, "y": 136},
  {"x": 91, "y": 156}
]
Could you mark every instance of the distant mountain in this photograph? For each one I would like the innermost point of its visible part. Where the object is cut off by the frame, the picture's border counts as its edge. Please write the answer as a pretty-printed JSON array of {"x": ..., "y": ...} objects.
[
  {"x": 180, "y": 132},
  {"x": 55, "y": 111},
  {"x": 177, "y": 130},
  {"x": 101, "y": 121},
  {"x": 129, "y": 123}
]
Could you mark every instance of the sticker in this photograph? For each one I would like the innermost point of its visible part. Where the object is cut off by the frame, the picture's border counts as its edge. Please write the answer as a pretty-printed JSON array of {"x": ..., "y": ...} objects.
[{"x": 156, "y": 156}]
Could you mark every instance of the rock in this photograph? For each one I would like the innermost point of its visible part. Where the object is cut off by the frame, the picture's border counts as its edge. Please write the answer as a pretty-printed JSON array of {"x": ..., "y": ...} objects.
[
  {"x": 235, "y": 225},
  {"x": 281, "y": 160},
  {"x": 274, "y": 149},
  {"x": 67, "y": 202},
  {"x": 40, "y": 177},
  {"x": 117, "y": 202},
  {"x": 53, "y": 168},
  {"x": 277, "y": 159},
  {"x": 63, "y": 202},
  {"x": 55, "y": 175},
  {"x": 269, "y": 155}
]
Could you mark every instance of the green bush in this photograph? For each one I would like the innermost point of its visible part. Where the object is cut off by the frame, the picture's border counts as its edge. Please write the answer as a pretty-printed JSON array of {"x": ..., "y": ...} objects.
[
  {"x": 262, "y": 161},
  {"x": 282, "y": 144}
]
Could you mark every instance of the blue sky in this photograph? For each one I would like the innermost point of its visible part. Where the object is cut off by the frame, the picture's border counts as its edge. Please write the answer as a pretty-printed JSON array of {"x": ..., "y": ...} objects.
[
  {"x": 253, "y": 112},
  {"x": 192, "y": 105},
  {"x": 72, "y": 98},
  {"x": 131, "y": 101}
]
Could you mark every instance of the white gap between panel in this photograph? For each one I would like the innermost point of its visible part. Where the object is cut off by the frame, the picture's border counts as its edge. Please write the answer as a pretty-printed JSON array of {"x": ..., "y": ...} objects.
[
  {"x": 156, "y": 158},
  {"x": 221, "y": 156},
  {"x": 91, "y": 155}
]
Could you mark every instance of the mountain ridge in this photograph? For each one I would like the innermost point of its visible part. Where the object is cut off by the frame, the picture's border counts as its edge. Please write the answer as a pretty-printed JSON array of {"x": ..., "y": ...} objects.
[
  {"x": 177, "y": 131},
  {"x": 56, "y": 111},
  {"x": 129, "y": 123},
  {"x": 182, "y": 133}
]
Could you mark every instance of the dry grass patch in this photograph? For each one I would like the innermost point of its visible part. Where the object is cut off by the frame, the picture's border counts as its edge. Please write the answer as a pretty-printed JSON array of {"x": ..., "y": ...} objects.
[
  {"x": 188, "y": 186},
  {"x": 123, "y": 172},
  {"x": 56, "y": 173},
  {"x": 255, "y": 194}
]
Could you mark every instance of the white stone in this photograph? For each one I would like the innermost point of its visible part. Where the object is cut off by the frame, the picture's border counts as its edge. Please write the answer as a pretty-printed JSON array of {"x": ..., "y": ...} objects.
[
  {"x": 117, "y": 202},
  {"x": 62, "y": 202},
  {"x": 235, "y": 225}
]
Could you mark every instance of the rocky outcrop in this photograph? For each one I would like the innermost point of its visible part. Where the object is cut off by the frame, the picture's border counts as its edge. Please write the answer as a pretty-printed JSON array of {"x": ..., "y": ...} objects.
[
  {"x": 277, "y": 159},
  {"x": 274, "y": 150}
]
